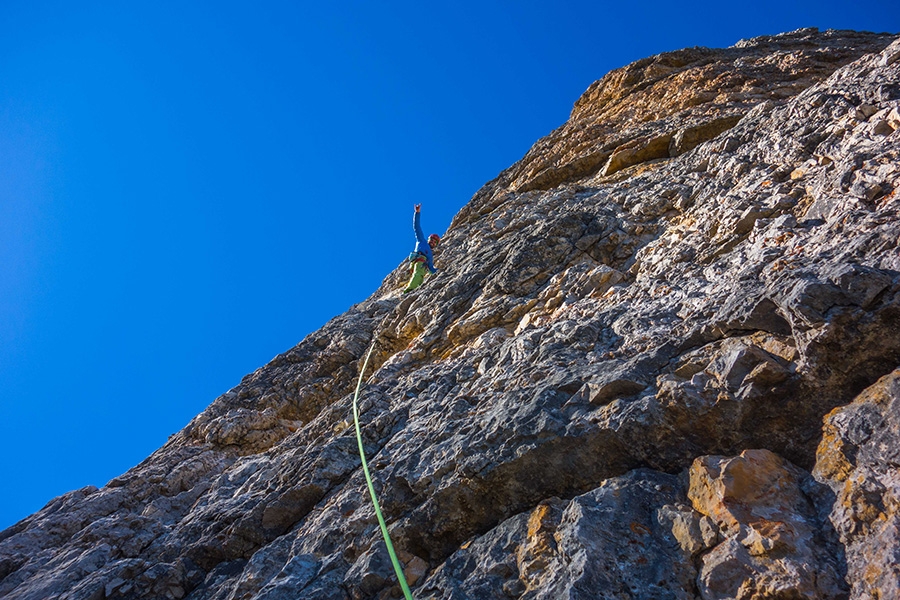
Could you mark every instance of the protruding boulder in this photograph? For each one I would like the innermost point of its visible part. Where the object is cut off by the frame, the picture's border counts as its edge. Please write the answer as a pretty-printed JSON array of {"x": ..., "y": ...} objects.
[
  {"x": 859, "y": 458},
  {"x": 772, "y": 542}
]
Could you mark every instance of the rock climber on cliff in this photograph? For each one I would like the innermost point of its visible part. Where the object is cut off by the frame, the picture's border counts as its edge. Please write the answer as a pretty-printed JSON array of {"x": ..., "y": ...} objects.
[{"x": 422, "y": 257}]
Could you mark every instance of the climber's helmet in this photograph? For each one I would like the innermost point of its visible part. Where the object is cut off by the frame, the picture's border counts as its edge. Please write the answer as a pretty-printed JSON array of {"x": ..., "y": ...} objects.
[{"x": 434, "y": 239}]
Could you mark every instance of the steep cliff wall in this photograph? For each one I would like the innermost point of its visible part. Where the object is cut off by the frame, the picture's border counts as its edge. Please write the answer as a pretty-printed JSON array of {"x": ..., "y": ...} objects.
[{"x": 659, "y": 361}]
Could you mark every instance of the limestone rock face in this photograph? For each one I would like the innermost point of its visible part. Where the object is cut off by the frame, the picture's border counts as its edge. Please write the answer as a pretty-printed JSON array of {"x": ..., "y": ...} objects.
[
  {"x": 774, "y": 542},
  {"x": 643, "y": 339},
  {"x": 633, "y": 536},
  {"x": 859, "y": 458}
]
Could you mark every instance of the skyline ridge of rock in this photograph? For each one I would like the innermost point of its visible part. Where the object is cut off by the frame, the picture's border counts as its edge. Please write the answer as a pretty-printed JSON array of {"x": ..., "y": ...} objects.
[{"x": 660, "y": 360}]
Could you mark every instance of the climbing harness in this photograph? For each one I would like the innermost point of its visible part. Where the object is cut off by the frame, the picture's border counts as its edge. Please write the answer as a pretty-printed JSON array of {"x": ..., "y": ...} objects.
[{"x": 398, "y": 570}]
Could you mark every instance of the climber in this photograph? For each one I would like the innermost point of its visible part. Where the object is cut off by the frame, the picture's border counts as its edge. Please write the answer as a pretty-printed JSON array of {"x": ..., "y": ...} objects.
[{"x": 422, "y": 256}]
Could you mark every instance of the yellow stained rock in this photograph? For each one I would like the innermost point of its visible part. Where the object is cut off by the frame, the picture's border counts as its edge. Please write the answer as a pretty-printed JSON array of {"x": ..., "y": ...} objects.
[{"x": 754, "y": 490}]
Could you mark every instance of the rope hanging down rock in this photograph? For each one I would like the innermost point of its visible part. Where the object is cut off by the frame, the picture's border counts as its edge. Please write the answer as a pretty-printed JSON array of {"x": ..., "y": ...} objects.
[{"x": 365, "y": 465}]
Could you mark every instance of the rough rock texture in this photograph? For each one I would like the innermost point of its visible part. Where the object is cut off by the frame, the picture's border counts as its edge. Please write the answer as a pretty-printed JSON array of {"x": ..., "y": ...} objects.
[
  {"x": 774, "y": 544},
  {"x": 859, "y": 458},
  {"x": 615, "y": 387}
]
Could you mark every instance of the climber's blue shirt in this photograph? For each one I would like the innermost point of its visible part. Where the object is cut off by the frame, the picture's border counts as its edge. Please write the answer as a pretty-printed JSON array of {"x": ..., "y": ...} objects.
[{"x": 422, "y": 246}]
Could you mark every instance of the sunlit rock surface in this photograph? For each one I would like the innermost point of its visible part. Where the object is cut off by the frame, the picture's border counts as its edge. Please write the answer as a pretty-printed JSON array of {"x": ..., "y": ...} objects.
[
  {"x": 658, "y": 361},
  {"x": 858, "y": 458}
]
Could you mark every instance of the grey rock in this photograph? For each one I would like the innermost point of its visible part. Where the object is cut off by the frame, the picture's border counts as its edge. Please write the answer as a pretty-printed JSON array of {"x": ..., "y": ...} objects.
[
  {"x": 692, "y": 266},
  {"x": 858, "y": 458},
  {"x": 623, "y": 539},
  {"x": 774, "y": 544}
]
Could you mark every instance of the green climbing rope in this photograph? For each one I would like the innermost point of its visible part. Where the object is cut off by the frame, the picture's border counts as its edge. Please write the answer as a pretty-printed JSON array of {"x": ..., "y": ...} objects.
[{"x": 365, "y": 465}]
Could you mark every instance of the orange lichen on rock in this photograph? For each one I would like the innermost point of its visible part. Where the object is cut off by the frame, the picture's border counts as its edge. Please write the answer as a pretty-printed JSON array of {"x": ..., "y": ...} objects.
[{"x": 754, "y": 489}]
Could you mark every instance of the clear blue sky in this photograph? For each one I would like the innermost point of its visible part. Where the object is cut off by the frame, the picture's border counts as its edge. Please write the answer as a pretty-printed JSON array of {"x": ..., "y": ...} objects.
[{"x": 189, "y": 188}]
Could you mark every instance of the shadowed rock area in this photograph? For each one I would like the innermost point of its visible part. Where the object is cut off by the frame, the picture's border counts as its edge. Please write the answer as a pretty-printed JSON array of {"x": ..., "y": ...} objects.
[{"x": 660, "y": 360}]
